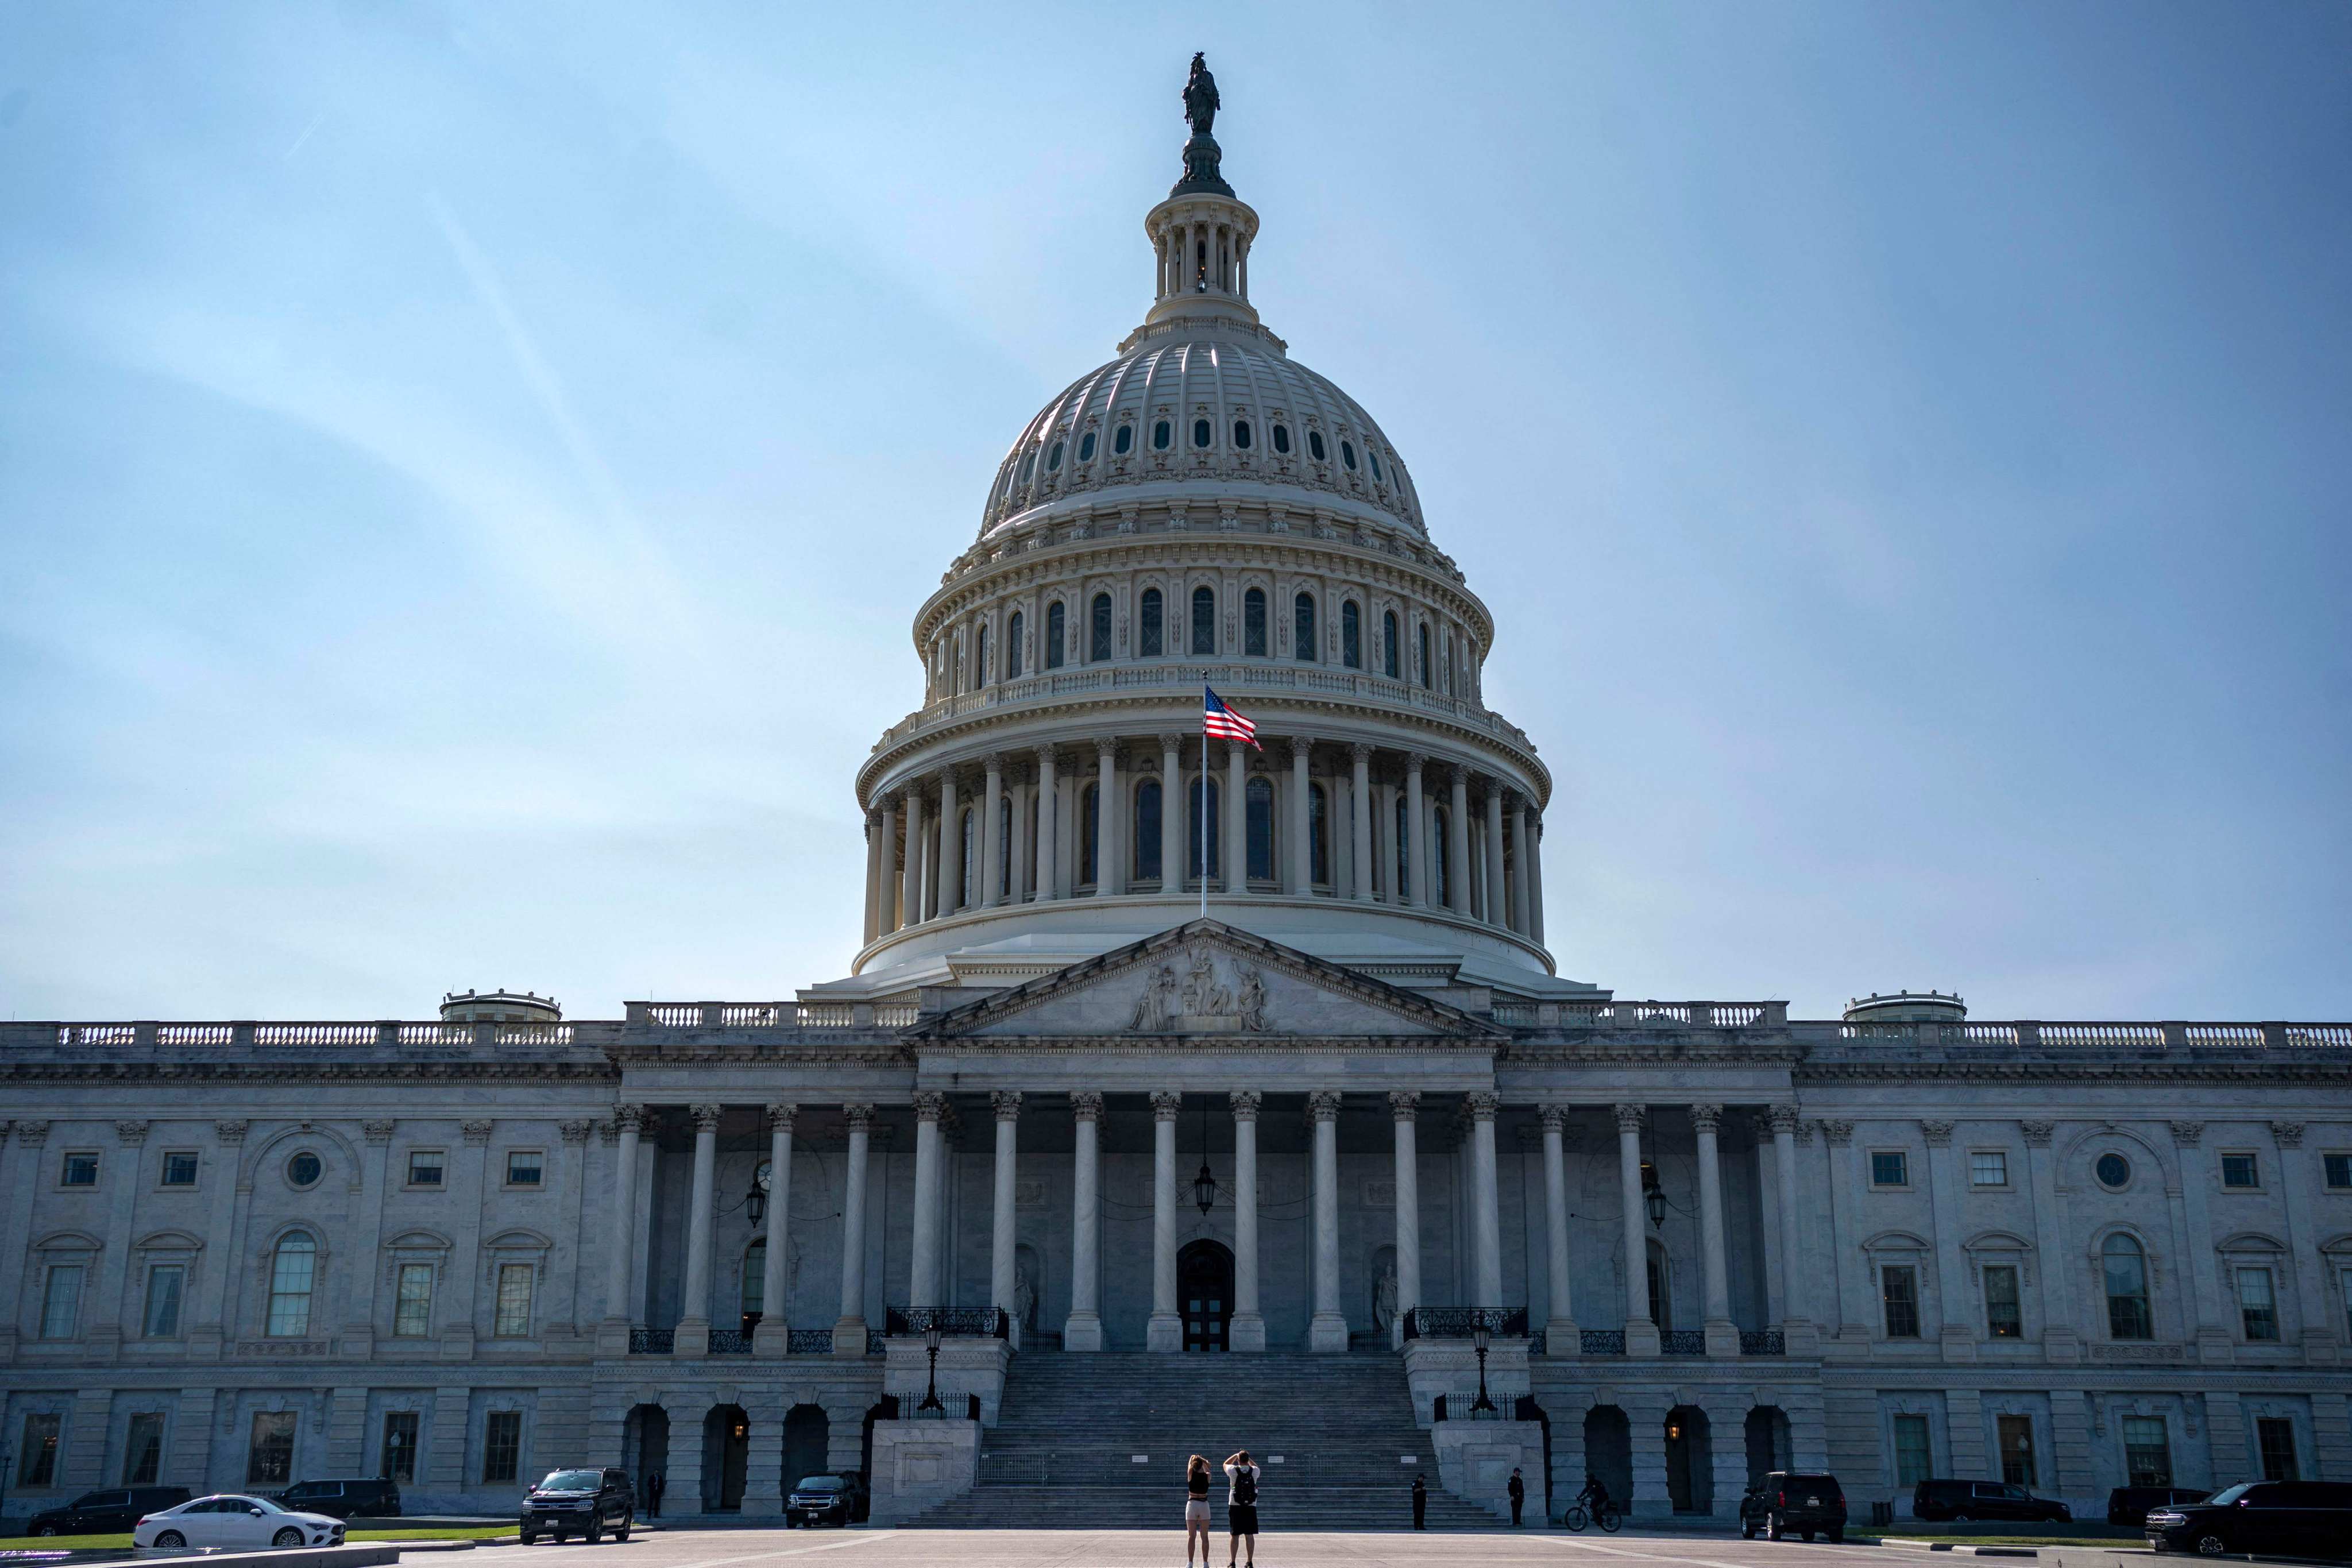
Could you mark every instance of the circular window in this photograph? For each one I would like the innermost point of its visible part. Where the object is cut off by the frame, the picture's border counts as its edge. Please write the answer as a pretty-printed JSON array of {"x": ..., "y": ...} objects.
[
  {"x": 304, "y": 1169},
  {"x": 2113, "y": 1171}
]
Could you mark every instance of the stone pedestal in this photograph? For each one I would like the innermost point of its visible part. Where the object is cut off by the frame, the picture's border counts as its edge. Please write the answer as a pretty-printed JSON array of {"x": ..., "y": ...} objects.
[{"x": 920, "y": 1463}]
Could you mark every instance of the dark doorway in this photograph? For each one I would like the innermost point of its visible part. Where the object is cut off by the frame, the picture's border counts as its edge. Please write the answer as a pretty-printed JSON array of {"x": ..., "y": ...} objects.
[
  {"x": 807, "y": 1436},
  {"x": 1690, "y": 1461},
  {"x": 1204, "y": 1293},
  {"x": 1608, "y": 1452},
  {"x": 726, "y": 1456},
  {"x": 1766, "y": 1431},
  {"x": 644, "y": 1445}
]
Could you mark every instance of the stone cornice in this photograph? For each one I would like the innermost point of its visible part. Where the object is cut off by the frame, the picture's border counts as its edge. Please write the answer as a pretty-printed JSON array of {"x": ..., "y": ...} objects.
[{"x": 310, "y": 1071}]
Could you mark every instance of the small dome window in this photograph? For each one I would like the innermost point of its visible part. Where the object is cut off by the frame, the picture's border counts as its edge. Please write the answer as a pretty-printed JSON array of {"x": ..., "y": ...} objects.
[
  {"x": 1240, "y": 434},
  {"x": 1348, "y": 453},
  {"x": 1315, "y": 447},
  {"x": 304, "y": 1169},
  {"x": 1201, "y": 433},
  {"x": 1282, "y": 438},
  {"x": 1375, "y": 457},
  {"x": 1123, "y": 442},
  {"x": 1028, "y": 466},
  {"x": 1160, "y": 436},
  {"x": 1086, "y": 448},
  {"x": 1053, "y": 458}
]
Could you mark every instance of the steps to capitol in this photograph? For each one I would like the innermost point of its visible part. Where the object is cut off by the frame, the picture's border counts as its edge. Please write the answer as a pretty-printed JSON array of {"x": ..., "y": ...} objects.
[{"x": 1061, "y": 1455}]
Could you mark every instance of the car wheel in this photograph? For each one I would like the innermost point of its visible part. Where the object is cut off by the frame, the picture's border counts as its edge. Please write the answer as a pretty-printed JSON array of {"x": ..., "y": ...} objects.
[
  {"x": 172, "y": 1540},
  {"x": 528, "y": 1537},
  {"x": 2210, "y": 1544},
  {"x": 1772, "y": 1528},
  {"x": 595, "y": 1530},
  {"x": 621, "y": 1531},
  {"x": 46, "y": 1529},
  {"x": 1746, "y": 1531},
  {"x": 1806, "y": 1536},
  {"x": 1837, "y": 1535},
  {"x": 289, "y": 1536},
  {"x": 1961, "y": 1519}
]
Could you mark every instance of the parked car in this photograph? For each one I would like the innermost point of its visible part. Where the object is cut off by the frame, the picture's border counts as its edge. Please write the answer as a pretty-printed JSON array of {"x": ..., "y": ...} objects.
[
  {"x": 825, "y": 1500},
  {"x": 1788, "y": 1501},
  {"x": 106, "y": 1512},
  {"x": 235, "y": 1519},
  {"x": 2131, "y": 1505},
  {"x": 584, "y": 1503},
  {"x": 1982, "y": 1499},
  {"x": 2291, "y": 1518},
  {"x": 344, "y": 1499}
]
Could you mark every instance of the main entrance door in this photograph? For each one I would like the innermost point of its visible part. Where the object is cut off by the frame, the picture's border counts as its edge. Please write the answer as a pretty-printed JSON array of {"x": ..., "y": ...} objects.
[{"x": 1204, "y": 1293}]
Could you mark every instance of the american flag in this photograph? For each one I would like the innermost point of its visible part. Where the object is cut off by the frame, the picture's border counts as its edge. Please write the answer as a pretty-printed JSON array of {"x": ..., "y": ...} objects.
[{"x": 1222, "y": 724}]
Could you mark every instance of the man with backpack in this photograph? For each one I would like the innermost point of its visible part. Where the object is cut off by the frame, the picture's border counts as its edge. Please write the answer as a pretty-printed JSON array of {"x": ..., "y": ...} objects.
[{"x": 1240, "y": 1507}]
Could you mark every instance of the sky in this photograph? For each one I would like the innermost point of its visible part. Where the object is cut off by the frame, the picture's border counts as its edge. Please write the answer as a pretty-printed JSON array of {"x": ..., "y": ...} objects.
[{"x": 468, "y": 472}]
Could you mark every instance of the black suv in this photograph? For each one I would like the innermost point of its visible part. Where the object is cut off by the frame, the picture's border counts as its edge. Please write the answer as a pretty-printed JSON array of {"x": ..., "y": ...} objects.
[
  {"x": 2290, "y": 1519},
  {"x": 1983, "y": 1500},
  {"x": 2132, "y": 1505},
  {"x": 342, "y": 1499},
  {"x": 1789, "y": 1499},
  {"x": 584, "y": 1503},
  {"x": 823, "y": 1500},
  {"x": 109, "y": 1512}
]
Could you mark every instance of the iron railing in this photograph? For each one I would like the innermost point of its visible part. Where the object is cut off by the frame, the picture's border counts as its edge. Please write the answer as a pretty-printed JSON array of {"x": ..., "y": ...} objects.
[
  {"x": 651, "y": 1342},
  {"x": 1460, "y": 1323},
  {"x": 1601, "y": 1342},
  {"x": 730, "y": 1341},
  {"x": 1681, "y": 1342},
  {"x": 808, "y": 1341},
  {"x": 1763, "y": 1341},
  {"x": 954, "y": 1322}
]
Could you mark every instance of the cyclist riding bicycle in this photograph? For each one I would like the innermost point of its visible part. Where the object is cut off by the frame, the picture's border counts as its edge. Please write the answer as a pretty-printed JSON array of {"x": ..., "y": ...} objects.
[{"x": 1594, "y": 1493}]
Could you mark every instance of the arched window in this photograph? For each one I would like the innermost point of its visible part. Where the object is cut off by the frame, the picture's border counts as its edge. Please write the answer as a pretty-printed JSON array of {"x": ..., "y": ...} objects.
[
  {"x": 1014, "y": 631},
  {"x": 1056, "y": 618},
  {"x": 1318, "y": 836},
  {"x": 1258, "y": 800},
  {"x": 1200, "y": 800},
  {"x": 1147, "y": 831},
  {"x": 1028, "y": 466},
  {"x": 1053, "y": 458},
  {"x": 293, "y": 1266},
  {"x": 1160, "y": 436},
  {"x": 1205, "y": 621},
  {"x": 1086, "y": 448},
  {"x": 1375, "y": 458},
  {"x": 1202, "y": 434},
  {"x": 1302, "y": 628},
  {"x": 1098, "y": 629},
  {"x": 1440, "y": 875},
  {"x": 1089, "y": 807},
  {"x": 1348, "y": 453},
  {"x": 979, "y": 659},
  {"x": 2129, "y": 1317},
  {"x": 1282, "y": 438},
  {"x": 1123, "y": 442},
  {"x": 1389, "y": 645},
  {"x": 1351, "y": 634},
  {"x": 1240, "y": 434},
  {"x": 755, "y": 1282},
  {"x": 1254, "y": 623},
  {"x": 1147, "y": 623},
  {"x": 968, "y": 828},
  {"x": 1421, "y": 654},
  {"x": 1314, "y": 446},
  {"x": 1403, "y": 848}
]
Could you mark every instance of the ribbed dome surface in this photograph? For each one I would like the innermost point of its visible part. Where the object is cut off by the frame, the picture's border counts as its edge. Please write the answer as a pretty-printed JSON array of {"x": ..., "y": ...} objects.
[{"x": 1265, "y": 417}]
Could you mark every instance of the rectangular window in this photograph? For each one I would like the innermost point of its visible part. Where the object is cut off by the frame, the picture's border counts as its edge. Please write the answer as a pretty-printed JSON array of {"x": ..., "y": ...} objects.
[
  {"x": 80, "y": 1170},
  {"x": 2257, "y": 1305},
  {"x": 269, "y": 1461},
  {"x": 2275, "y": 1436},
  {"x": 142, "y": 1453},
  {"x": 2148, "y": 1458},
  {"x": 1914, "y": 1458},
  {"x": 2003, "y": 1319},
  {"x": 162, "y": 1317},
  {"x": 179, "y": 1168},
  {"x": 400, "y": 1445},
  {"x": 2339, "y": 1173},
  {"x": 411, "y": 1312},
  {"x": 502, "y": 1446},
  {"x": 2017, "y": 1451},
  {"x": 424, "y": 1167},
  {"x": 61, "y": 1302},
  {"x": 2239, "y": 1172},
  {"x": 36, "y": 1457},
  {"x": 1899, "y": 1284},
  {"x": 1988, "y": 1167},
  {"x": 523, "y": 1167},
  {"x": 514, "y": 1301},
  {"x": 1889, "y": 1168}
]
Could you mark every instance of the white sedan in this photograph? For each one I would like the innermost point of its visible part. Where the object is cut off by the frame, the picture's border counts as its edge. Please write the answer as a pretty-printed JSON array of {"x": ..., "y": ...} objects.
[{"x": 233, "y": 1518}]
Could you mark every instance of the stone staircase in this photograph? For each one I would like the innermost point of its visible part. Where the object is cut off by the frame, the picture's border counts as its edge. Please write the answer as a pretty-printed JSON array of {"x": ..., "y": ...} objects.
[{"x": 1330, "y": 1432}]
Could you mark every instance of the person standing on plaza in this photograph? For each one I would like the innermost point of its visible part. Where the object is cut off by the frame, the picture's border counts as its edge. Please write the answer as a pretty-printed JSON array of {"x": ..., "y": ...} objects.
[
  {"x": 656, "y": 1484},
  {"x": 1420, "y": 1501},
  {"x": 1240, "y": 1507},
  {"x": 1518, "y": 1492},
  {"x": 1196, "y": 1508}
]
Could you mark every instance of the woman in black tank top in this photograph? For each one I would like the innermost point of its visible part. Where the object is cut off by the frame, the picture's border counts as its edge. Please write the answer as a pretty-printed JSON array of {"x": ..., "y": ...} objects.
[{"x": 1196, "y": 1508}]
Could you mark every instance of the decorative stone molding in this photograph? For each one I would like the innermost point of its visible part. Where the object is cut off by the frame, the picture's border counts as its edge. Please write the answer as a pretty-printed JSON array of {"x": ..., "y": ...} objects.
[
  {"x": 929, "y": 1105},
  {"x": 1554, "y": 1117},
  {"x": 2187, "y": 1134},
  {"x": 130, "y": 1132},
  {"x": 1244, "y": 1102},
  {"x": 1939, "y": 1134},
  {"x": 1171, "y": 743},
  {"x": 1629, "y": 1117},
  {"x": 226, "y": 1132},
  {"x": 629, "y": 1118},
  {"x": 1359, "y": 753},
  {"x": 780, "y": 1115},
  {"x": 1404, "y": 1104},
  {"x": 1006, "y": 1104},
  {"x": 475, "y": 1131},
  {"x": 1086, "y": 1104},
  {"x": 1323, "y": 1105},
  {"x": 1484, "y": 1104},
  {"x": 378, "y": 1131},
  {"x": 1706, "y": 1118},
  {"x": 2038, "y": 1133},
  {"x": 2288, "y": 1134},
  {"x": 1781, "y": 1119},
  {"x": 1804, "y": 1134},
  {"x": 859, "y": 1117},
  {"x": 1166, "y": 1105},
  {"x": 576, "y": 1133},
  {"x": 1839, "y": 1133}
]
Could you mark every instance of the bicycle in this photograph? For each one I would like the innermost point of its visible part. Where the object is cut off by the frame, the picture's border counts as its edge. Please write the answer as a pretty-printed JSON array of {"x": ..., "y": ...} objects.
[{"x": 1607, "y": 1517}]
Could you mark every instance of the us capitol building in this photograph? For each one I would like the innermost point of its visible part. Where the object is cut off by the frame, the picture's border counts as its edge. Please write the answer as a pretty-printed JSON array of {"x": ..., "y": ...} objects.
[{"x": 1350, "y": 1131}]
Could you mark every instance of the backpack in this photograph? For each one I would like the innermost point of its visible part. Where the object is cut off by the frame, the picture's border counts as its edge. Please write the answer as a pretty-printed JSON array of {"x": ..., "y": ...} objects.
[{"x": 1245, "y": 1485}]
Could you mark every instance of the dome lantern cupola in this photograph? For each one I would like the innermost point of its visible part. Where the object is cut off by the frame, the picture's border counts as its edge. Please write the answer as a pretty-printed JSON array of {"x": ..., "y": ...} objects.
[{"x": 1201, "y": 234}]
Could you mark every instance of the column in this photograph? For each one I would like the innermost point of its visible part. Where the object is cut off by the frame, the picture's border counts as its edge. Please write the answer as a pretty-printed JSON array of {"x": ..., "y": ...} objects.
[
  {"x": 991, "y": 855},
  {"x": 1002, "y": 1266},
  {"x": 1175, "y": 856},
  {"x": 102, "y": 1310},
  {"x": 1534, "y": 879},
  {"x": 466, "y": 1192},
  {"x": 1025, "y": 801},
  {"x": 2061, "y": 1339},
  {"x": 873, "y": 876},
  {"x": 850, "y": 1328},
  {"x": 1955, "y": 1331},
  {"x": 694, "y": 1318},
  {"x": 1328, "y": 1330},
  {"x": 951, "y": 840},
  {"x": 1384, "y": 845},
  {"x": 1301, "y": 882},
  {"x": 1520, "y": 859},
  {"x": 18, "y": 1188},
  {"x": 1107, "y": 812},
  {"x": 885, "y": 917},
  {"x": 1457, "y": 842},
  {"x": 774, "y": 1331},
  {"x": 1084, "y": 1330},
  {"x": 1236, "y": 834},
  {"x": 2295, "y": 1202},
  {"x": 911, "y": 895},
  {"x": 2208, "y": 1327},
  {"x": 359, "y": 1320},
  {"x": 1641, "y": 1333},
  {"x": 1165, "y": 1332},
  {"x": 1416, "y": 820},
  {"x": 1049, "y": 797},
  {"x": 620, "y": 1251},
  {"x": 1561, "y": 1337},
  {"x": 923, "y": 1256},
  {"x": 1792, "y": 1232},
  {"x": 1498, "y": 910},
  {"x": 1722, "y": 1333},
  {"x": 1360, "y": 826},
  {"x": 1486, "y": 1235},
  {"x": 1247, "y": 1331},
  {"x": 1404, "y": 1105}
]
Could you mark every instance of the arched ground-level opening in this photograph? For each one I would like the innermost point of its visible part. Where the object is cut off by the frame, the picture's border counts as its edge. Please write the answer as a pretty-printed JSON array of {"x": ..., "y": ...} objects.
[
  {"x": 1204, "y": 1293},
  {"x": 1528, "y": 1410},
  {"x": 645, "y": 1447},
  {"x": 1690, "y": 1461},
  {"x": 1767, "y": 1441},
  {"x": 726, "y": 1456},
  {"x": 1609, "y": 1451},
  {"x": 807, "y": 1432},
  {"x": 885, "y": 1409}
]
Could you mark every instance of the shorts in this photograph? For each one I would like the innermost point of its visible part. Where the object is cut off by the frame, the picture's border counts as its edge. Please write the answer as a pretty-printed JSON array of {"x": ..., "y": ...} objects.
[
  {"x": 1196, "y": 1511},
  {"x": 1241, "y": 1518}
]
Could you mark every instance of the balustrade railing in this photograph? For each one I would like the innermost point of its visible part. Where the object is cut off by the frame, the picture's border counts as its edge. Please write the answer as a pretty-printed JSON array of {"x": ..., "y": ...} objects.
[
  {"x": 1681, "y": 1342},
  {"x": 730, "y": 1341},
  {"x": 1601, "y": 1342},
  {"x": 1460, "y": 1323},
  {"x": 651, "y": 1342},
  {"x": 808, "y": 1341},
  {"x": 1763, "y": 1341},
  {"x": 954, "y": 1322}
]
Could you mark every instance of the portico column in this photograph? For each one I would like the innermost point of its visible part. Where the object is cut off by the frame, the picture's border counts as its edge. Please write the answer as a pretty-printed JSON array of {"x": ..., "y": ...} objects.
[
  {"x": 850, "y": 1328},
  {"x": 1047, "y": 797},
  {"x": 1457, "y": 842},
  {"x": 1783, "y": 1119},
  {"x": 1236, "y": 844},
  {"x": 911, "y": 895},
  {"x": 1003, "y": 1269},
  {"x": 1498, "y": 912},
  {"x": 873, "y": 876},
  {"x": 1722, "y": 1333},
  {"x": 1561, "y": 1335},
  {"x": 1301, "y": 879},
  {"x": 1416, "y": 820},
  {"x": 1084, "y": 1330},
  {"x": 1174, "y": 817},
  {"x": 1359, "y": 825},
  {"x": 1247, "y": 1331},
  {"x": 1534, "y": 878},
  {"x": 1487, "y": 1236},
  {"x": 1017, "y": 888},
  {"x": 1404, "y": 1105},
  {"x": 774, "y": 1331},
  {"x": 1328, "y": 1330},
  {"x": 621, "y": 1246},
  {"x": 992, "y": 869},
  {"x": 694, "y": 1322},
  {"x": 1107, "y": 810},
  {"x": 1165, "y": 1332},
  {"x": 923, "y": 1256},
  {"x": 2061, "y": 1339},
  {"x": 1520, "y": 862},
  {"x": 1641, "y": 1333},
  {"x": 950, "y": 877},
  {"x": 885, "y": 917}
]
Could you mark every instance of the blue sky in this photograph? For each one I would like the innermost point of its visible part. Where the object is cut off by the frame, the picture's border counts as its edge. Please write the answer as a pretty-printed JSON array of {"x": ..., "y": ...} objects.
[{"x": 467, "y": 472}]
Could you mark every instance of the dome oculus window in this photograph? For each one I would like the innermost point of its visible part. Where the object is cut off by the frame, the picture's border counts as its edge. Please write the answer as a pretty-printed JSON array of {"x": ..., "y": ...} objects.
[
  {"x": 1160, "y": 436},
  {"x": 1123, "y": 441},
  {"x": 1348, "y": 453},
  {"x": 1202, "y": 434},
  {"x": 1240, "y": 434},
  {"x": 2113, "y": 1171},
  {"x": 1086, "y": 448},
  {"x": 1053, "y": 458},
  {"x": 304, "y": 1169},
  {"x": 1315, "y": 447},
  {"x": 1282, "y": 438}
]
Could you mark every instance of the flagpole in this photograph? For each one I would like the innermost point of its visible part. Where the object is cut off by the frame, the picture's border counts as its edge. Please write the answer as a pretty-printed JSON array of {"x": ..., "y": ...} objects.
[{"x": 1200, "y": 830}]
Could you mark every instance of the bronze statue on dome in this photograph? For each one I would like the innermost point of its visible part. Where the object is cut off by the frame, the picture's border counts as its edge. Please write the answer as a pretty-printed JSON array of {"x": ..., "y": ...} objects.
[{"x": 1200, "y": 97}]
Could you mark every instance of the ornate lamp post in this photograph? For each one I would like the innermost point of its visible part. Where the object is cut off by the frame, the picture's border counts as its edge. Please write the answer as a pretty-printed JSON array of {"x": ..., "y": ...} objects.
[
  {"x": 1479, "y": 1334},
  {"x": 1204, "y": 1186},
  {"x": 1653, "y": 1198},
  {"x": 932, "y": 1344}
]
